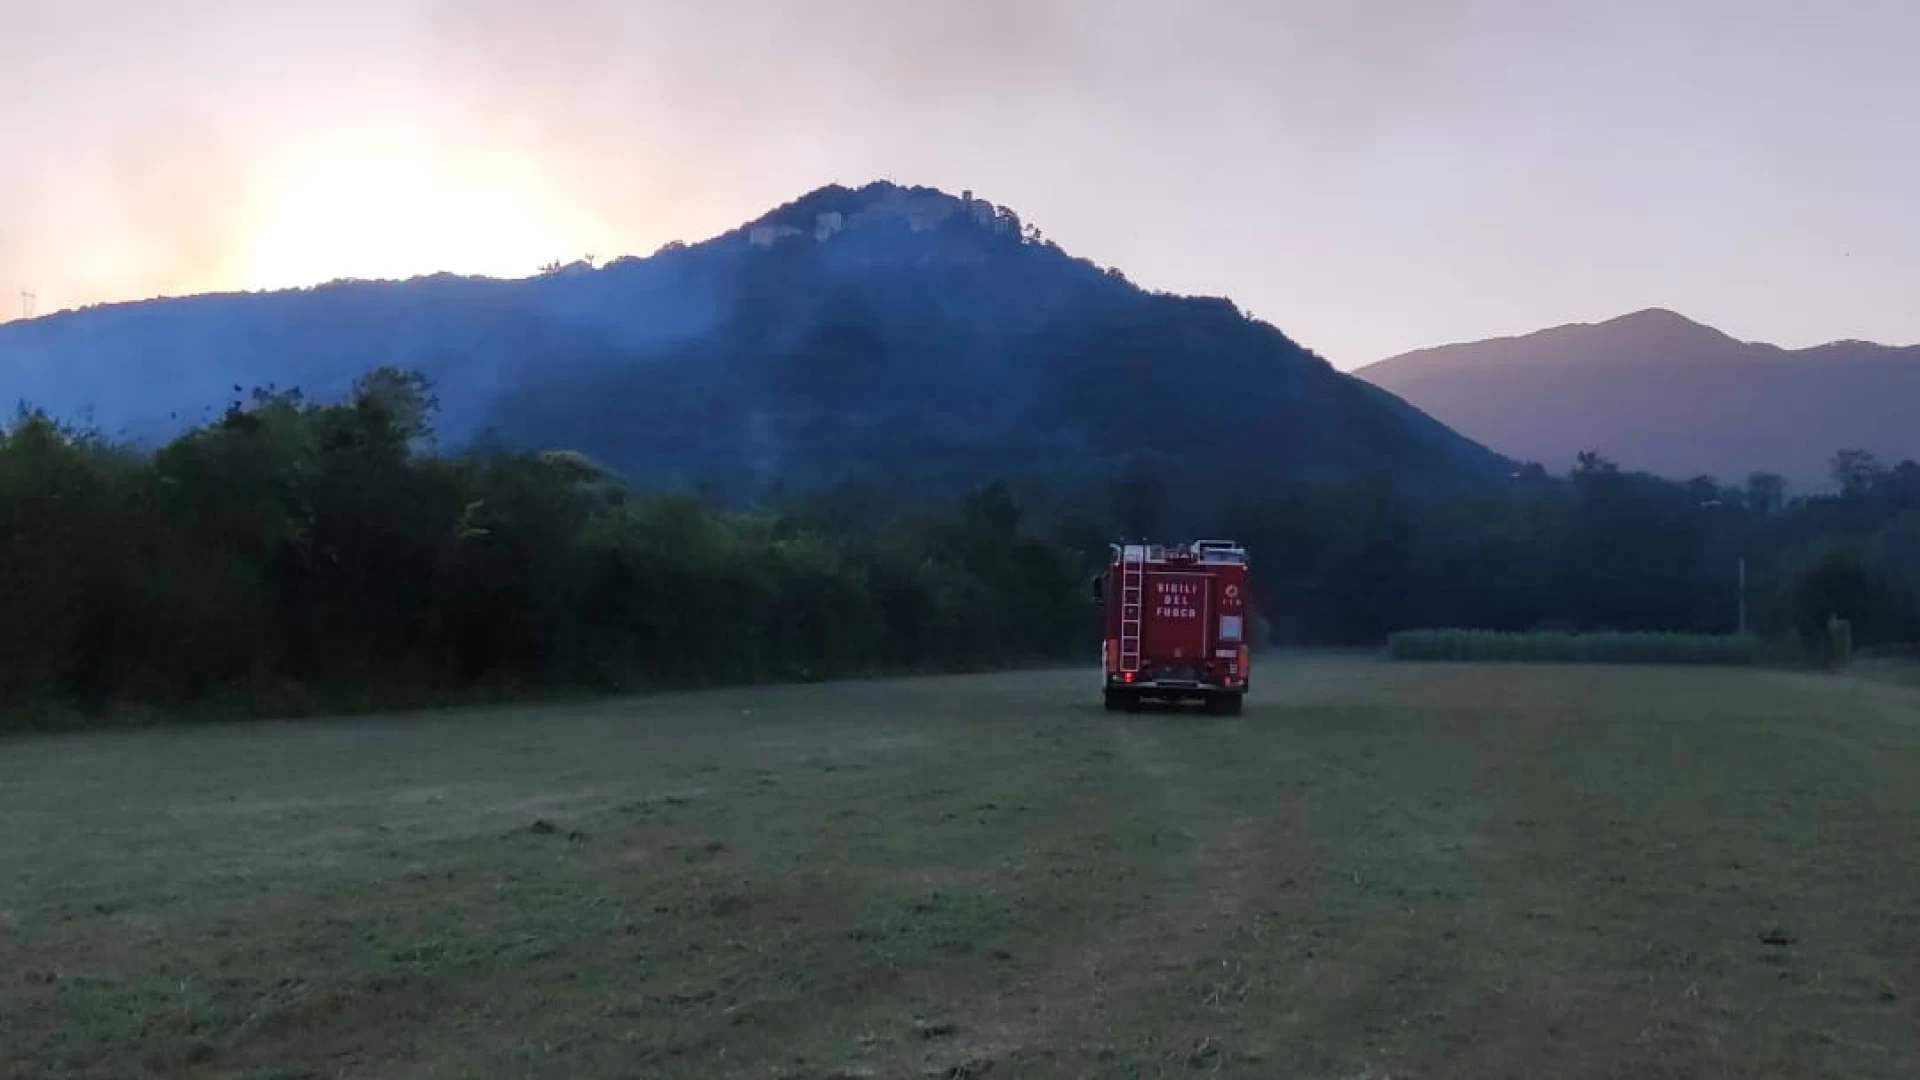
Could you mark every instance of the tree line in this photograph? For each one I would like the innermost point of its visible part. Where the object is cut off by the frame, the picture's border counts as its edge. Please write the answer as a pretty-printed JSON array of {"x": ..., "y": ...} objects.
[
  {"x": 1600, "y": 549},
  {"x": 293, "y": 556}
]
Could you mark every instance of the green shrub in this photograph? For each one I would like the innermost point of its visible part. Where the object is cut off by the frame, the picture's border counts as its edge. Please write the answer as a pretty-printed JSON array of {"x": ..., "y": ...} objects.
[
  {"x": 1574, "y": 648},
  {"x": 1903, "y": 651},
  {"x": 293, "y": 557}
]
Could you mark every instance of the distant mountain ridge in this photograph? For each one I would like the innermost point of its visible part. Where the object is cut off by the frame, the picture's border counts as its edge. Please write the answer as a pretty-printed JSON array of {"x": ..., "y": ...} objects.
[
  {"x": 1655, "y": 390},
  {"x": 881, "y": 334}
]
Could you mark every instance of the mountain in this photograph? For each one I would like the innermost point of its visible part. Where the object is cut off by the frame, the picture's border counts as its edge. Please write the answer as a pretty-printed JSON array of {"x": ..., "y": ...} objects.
[
  {"x": 1660, "y": 392},
  {"x": 886, "y": 334}
]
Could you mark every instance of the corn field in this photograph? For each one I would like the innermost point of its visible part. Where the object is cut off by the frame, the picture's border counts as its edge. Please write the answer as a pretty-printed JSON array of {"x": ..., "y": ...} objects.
[{"x": 1571, "y": 648}]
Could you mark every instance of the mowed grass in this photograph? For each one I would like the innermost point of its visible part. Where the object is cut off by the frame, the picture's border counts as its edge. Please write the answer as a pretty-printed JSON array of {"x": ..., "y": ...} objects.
[{"x": 1378, "y": 871}]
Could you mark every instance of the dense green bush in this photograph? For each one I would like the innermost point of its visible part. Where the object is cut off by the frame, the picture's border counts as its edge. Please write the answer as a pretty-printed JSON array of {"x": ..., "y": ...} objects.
[
  {"x": 1906, "y": 652},
  {"x": 1571, "y": 648},
  {"x": 292, "y": 555}
]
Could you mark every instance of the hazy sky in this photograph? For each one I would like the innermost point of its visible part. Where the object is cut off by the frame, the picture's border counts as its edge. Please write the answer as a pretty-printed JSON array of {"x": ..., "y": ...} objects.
[{"x": 1370, "y": 175}]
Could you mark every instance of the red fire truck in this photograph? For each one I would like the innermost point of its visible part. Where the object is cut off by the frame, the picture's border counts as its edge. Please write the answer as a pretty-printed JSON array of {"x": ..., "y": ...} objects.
[{"x": 1177, "y": 623}]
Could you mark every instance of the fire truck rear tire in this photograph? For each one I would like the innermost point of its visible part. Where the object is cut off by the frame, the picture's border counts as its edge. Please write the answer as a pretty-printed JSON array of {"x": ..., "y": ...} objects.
[
  {"x": 1113, "y": 701},
  {"x": 1225, "y": 704}
]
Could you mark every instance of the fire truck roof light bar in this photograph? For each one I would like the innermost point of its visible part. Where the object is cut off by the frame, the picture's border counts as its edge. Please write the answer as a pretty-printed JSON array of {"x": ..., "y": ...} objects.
[{"x": 1206, "y": 551}]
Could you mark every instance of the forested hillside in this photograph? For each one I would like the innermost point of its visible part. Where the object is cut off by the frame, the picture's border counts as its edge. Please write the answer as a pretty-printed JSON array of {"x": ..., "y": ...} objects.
[{"x": 885, "y": 337}]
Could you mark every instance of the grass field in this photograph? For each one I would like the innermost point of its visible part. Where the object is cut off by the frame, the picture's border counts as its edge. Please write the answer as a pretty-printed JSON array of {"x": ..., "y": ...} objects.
[{"x": 1378, "y": 871}]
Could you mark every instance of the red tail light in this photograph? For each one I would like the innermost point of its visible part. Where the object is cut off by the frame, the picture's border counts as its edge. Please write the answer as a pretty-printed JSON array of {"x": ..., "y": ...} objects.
[{"x": 1126, "y": 676}]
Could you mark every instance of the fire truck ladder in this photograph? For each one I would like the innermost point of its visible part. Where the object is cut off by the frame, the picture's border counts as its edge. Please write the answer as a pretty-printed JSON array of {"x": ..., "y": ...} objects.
[{"x": 1133, "y": 580}]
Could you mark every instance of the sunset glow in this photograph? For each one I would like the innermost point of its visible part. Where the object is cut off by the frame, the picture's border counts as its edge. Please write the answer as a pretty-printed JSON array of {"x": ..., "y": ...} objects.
[
  {"x": 387, "y": 211},
  {"x": 1488, "y": 167}
]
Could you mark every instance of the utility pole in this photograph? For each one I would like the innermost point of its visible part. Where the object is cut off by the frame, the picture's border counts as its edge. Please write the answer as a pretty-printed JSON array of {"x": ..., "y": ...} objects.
[
  {"x": 28, "y": 302},
  {"x": 1743, "y": 596},
  {"x": 1740, "y": 581}
]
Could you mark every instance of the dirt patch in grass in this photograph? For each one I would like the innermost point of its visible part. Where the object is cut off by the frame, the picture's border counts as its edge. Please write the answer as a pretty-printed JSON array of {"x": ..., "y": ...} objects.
[{"x": 1650, "y": 1036}]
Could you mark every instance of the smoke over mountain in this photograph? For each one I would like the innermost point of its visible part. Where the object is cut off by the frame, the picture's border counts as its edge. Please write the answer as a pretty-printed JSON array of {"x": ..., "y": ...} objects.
[
  {"x": 906, "y": 337},
  {"x": 657, "y": 119}
]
